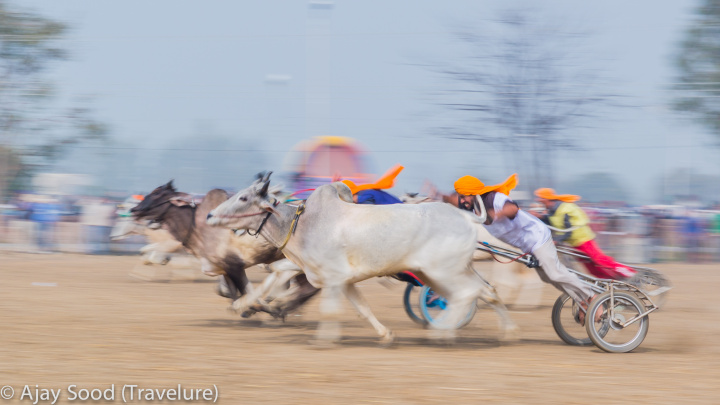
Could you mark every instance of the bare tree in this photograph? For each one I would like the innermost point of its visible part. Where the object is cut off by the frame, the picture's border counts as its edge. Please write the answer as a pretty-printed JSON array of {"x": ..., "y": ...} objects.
[
  {"x": 524, "y": 87},
  {"x": 698, "y": 64}
]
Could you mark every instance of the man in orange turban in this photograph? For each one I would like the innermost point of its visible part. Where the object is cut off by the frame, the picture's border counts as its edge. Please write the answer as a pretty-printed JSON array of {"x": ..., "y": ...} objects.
[
  {"x": 507, "y": 222},
  {"x": 573, "y": 228}
]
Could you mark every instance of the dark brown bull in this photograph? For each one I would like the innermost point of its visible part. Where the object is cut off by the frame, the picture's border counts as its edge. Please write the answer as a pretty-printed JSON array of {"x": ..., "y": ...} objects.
[{"x": 219, "y": 250}]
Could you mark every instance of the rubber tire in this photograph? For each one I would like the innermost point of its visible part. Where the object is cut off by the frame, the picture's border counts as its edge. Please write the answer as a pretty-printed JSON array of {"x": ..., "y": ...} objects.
[
  {"x": 407, "y": 303},
  {"x": 557, "y": 324},
  {"x": 428, "y": 317},
  {"x": 598, "y": 340}
]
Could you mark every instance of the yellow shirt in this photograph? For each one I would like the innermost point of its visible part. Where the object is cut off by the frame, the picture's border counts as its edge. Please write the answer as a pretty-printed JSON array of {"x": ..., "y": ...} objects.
[{"x": 569, "y": 215}]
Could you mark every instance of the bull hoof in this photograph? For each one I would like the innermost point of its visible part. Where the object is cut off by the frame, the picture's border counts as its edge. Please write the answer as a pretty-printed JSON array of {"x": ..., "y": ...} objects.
[
  {"x": 328, "y": 332},
  {"x": 278, "y": 315},
  {"x": 442, "y": 337},
  {"x": 225, "y": 293},
  {"x": 511, "y": 334},
  {"x": 387, "y": 340},
  {"x": 248, "y": 313}
]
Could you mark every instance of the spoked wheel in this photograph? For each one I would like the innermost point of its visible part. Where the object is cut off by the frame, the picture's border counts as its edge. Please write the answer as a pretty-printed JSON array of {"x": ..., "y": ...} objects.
[
  {"x": 432, "y": 307},
  {"x": 616, "y": 338},
  {"x": 411, "y": 299},
  {"x": 563, "y": 320}
]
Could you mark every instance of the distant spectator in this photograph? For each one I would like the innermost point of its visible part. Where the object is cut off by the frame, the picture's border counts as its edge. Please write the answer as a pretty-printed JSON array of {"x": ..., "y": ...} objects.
[
  {"x": 44, "y": 212},
  {"x": 715, "y": 233},
  {"x": 692, "y": 234},
  {"x": 655, "y": 234},
  {"x": 97, "y": 218}
]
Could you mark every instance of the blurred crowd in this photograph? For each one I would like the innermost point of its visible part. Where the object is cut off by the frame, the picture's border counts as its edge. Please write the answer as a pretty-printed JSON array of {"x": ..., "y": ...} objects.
[
  {"x": 657, "y": 233},
  {"x": 646, "y": 234},
  {"x": 45, "y": 223}
]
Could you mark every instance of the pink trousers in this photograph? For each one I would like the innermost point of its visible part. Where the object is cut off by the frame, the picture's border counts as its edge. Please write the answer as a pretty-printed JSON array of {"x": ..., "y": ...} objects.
[{"x": 601, "y": 265}]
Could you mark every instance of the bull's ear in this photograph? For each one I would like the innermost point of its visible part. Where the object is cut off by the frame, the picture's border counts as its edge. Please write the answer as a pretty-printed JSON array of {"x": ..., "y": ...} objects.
[
  {"x": 267, "y": 205},
  {"x": 264, "y": 190},
  {"x": 170, "y": 186}
]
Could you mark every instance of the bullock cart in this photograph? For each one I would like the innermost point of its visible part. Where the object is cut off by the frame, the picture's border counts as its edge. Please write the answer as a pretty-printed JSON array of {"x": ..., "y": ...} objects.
[{"x": 625, "y": 306}]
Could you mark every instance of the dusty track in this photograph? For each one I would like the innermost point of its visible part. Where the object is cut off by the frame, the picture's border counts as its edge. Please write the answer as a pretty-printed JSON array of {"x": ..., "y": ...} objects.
[{"x": 98, "y": 327}]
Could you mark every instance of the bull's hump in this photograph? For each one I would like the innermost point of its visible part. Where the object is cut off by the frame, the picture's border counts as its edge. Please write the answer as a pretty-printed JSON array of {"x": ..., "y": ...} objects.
[
  {"x": 325, "y": 191},
  {"x": 215, "y": 197}
]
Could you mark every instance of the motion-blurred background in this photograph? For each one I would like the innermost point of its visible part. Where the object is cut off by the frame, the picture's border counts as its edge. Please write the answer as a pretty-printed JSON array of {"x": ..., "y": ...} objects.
[{"x": 615, "y": 101}]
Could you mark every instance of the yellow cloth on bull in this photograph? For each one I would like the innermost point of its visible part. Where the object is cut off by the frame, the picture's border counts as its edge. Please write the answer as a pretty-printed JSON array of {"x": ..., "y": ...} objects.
[
  {"x": 385, "y": 181},
  {"x": 549, "y": 194},
  {"x": 469, "y": 185},
  {"x": 568, "y": 215}
]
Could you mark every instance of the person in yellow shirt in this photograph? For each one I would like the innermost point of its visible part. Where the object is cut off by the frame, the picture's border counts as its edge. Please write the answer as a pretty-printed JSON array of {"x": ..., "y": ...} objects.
[{"x": 564, "y": 214}]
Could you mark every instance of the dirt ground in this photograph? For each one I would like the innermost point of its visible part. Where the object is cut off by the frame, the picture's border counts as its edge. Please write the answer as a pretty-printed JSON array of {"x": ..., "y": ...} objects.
[{"x": 71, "y": 319}]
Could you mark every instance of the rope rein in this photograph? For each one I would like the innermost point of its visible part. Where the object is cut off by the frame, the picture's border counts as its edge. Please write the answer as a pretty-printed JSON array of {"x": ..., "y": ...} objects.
[
  {"x": 257, "y": 233},
  {"x": 530, "y": 260},
  {"x": 300, "y": 209},
  {"x": 511, "y": 260},
  {"x": 185, "y": 241},
  {"x": 566, "y": 230}
]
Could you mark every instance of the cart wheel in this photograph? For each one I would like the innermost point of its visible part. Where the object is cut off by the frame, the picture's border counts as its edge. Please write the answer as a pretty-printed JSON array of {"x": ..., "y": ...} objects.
[
  {"x": 563, "y": 321},
  {"x": 617, "y": 339},
  {"x": 411, "y": 296},
  {"x": 432, "y": 307}
]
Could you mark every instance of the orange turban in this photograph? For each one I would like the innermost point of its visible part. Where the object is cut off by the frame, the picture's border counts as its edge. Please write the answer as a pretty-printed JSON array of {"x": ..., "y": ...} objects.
[
  {"x": 549, "y": 194},
  {"x": 352, "y": 185},
  {"x": 385, "y": 181},
  {"x": 469, "y": 185}
]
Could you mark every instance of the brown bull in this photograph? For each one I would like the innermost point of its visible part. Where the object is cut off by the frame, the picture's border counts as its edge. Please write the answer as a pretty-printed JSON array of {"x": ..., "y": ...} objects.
[{"x": 220, "y": 251}]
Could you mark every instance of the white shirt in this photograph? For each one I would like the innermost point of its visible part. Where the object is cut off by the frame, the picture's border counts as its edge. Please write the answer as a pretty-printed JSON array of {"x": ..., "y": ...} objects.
[{"x": 524, "y": 231}]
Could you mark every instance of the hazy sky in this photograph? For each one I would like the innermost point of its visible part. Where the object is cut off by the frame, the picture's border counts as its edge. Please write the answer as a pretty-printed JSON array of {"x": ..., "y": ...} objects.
[{"x": 164, "y": 70}]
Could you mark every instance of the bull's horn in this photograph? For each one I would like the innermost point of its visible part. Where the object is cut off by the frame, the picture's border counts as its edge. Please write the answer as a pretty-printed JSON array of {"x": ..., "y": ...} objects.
[
  {"x": 263, "y": 191},
  {"x": 267, "y": 175}
]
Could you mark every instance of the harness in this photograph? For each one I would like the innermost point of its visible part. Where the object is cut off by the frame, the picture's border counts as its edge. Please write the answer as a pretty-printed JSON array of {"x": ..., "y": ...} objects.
[
  {"x": 275, "y": 204},
  {"x": 186, "y": 239},
  {"x": 525, "y": 258},
  {"x": 300, "y": 209},
  {"x": 293, "y": 225}
]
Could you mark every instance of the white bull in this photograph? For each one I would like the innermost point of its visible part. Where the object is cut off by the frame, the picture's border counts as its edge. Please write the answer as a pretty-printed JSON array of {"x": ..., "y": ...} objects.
[
  {"x": 515, "y": 282},
  {"x": 338, "y": 243}
]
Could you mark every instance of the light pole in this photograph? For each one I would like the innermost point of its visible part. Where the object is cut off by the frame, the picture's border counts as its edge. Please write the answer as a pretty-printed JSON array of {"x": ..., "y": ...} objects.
[{"x": 317, "y": 67}]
